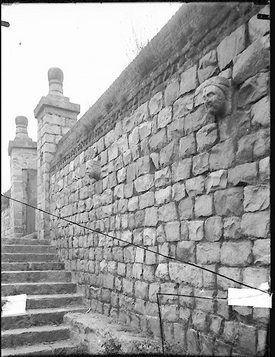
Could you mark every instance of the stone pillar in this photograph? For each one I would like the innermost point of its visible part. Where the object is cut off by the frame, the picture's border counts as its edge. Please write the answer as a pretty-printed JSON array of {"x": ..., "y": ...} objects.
[
  {"x": 23, "y": 156},
  {"x": 55, "y": 115}
]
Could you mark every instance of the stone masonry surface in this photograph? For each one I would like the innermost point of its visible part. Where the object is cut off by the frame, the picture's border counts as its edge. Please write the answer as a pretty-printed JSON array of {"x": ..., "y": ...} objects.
[{"x": 182, "y": 183}]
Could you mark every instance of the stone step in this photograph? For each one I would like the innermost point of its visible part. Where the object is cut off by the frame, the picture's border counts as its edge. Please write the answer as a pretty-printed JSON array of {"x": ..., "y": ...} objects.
[
  {"x": 34, "y": 335},
  {"x": 51, "y": 301},
  {"x": 25, "y": 257},
  {"x": 59, "y": 348},
  {"x": 38, "y": 317},
  {"x": 25, "y": 241},
  {"x": 49, "y": 288},
  {"x": 35, "y": 276},
  {"x": 29, "y": 266},
  {"x": 15, "y": 248}
]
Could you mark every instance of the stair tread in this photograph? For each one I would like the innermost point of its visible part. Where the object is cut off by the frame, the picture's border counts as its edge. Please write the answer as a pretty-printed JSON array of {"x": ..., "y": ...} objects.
[
  {"x": 50, "y": 296},
  {"x": 38, "y": 348},
  {"x": 42, "y": 328},
  {"x": 34, "y": 271},
  {"x": 49, "y": 310},
  {"x": 43, "y": 283}
]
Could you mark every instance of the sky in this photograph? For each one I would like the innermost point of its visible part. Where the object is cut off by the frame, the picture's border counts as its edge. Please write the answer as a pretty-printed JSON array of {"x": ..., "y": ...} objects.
[{"x": 91, "y": 42}]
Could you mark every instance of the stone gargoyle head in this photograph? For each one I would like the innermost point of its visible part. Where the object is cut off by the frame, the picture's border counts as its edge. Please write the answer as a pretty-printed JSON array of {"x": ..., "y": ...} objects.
[{"x": 216, "y": 95}]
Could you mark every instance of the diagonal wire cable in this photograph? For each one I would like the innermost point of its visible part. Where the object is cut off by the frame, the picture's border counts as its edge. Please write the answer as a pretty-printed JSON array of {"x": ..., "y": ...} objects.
[{"x": 135, "y": 245}]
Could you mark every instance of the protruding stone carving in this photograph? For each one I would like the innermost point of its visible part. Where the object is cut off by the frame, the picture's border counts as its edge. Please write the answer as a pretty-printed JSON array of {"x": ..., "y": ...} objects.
[
  {"x": 21, "y": 128},
  {"x": 216, "y": 93},
  {"x": 93, "y": 169}
]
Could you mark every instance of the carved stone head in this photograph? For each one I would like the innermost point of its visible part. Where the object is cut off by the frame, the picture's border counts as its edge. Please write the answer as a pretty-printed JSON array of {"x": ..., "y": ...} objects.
[
  {"x": 216, "y": 96},
  {"x": 93, "y": 169}
]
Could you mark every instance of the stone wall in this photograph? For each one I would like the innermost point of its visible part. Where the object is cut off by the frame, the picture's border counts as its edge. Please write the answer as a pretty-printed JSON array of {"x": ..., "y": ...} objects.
[
  {"x": 182, "y": 182},
  {"x": 5, "y": 223}
]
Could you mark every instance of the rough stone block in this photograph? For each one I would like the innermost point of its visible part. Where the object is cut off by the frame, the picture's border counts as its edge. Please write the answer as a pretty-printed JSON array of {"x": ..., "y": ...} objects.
[
  {"x": 213, "y": 228},
  {"x": 155, "y": 159},
  {"x": 182, "y": 106},
  {"x": 178, "y": 191},
  {"x": 256, "y": 224},
  {"x": 235, "y": 125},
  {"x": 164, "y": 117},
  {"x": 186, "y": 208},
  {"x": 188, "y": 80},
  {"x": 175, "y": 129},
  {"x": 264, "y": 168},
  {"x": 262, "y": 342},
  {"x": 145, "y": 130},
  {"x": 141, "y": 290},
  {"x": 196, "y": 230},
  {"x": 133, "y": 204},
  {"x": 139, "y": 255},
  {"x": 253, "y": 89},
  {"x": 169, "y": 153},
  {"x": 208, "y": 253},
  {"x": 222, "y": 155},
  {"x": 195, "y": 186},
  {"x": 262, "y": 144},
  {"x": 158, "y": 140},
  {"x": 167, "y": 212},
  {"x": 231, "y": 46},
  {"x": 230, "y": 331},
  {"x": 232, "y": 227},
  {"x": 171, "y": 92},
  {"x": 144, "y": 183},
  {"x": 256, "y": 27},
  {"x": 156, "y": 103},
  {"x": 203, "y": 206},
  {"x": 162, "y": 271},
  {"x": 222, "y": 349},
  {"x": 163, "y": 177},
  {"x": 229, "y": 202},
  {"x": 199, "y": 319},
  {"x": 186, "y": 251},
  {"x": 247, "y": 338},
  {"x": 181, "y": 170},
  {"x": 163, "y": 195},
  {"x": 196, "y": 120},
  {"x": 207, "y": 66},
  {"x": 187, "y": 146},
  {"x": 188, "y": 274},
  {"x": 215, "y": 324},
  {"x": 236, "y": 254},
  {"x": 133, "y": 140},
  {"x": 207, "y": 136},
  {"x": 260, "y": 112},
  {"x": 207, "y": 344},
  {"x": 146, "y": 200},
  {"x": 200, "y": 163},
  {"x": 233, "y": 273},
  {"x": 245, "y": 148},
  {"x": 142, "y": 166},
  {"x": 216, "y": 180},
  {"x": 252, "y": 60},
  {"x": 246, "y": 173},
  {"x": 192, "y": 342},
  {"x": 149, "y": 236},
  {"x": 256, "y": 198},
  {"x": 184, "y": 230},
  {"x": 150, "y": 259},
  {"x": 256, "y": 276},
  {"x": 151, "y": 216}
]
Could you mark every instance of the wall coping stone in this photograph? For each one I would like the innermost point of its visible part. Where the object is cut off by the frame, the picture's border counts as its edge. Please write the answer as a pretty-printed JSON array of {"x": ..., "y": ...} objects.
[{"x": 52, "y": 102}]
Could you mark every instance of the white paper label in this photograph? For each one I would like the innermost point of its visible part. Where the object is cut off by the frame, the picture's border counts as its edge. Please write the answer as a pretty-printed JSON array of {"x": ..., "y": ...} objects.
[{"x": 249, "y": 297}]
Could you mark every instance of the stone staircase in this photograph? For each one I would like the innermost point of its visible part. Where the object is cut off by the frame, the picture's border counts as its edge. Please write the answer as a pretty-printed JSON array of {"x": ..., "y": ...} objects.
[{"x": 30, "y": 266}]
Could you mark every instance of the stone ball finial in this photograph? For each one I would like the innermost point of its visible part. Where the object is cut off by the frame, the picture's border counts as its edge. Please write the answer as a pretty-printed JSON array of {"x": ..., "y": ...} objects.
[
  {"x": 21, "y": 128},
  {"x": 55, "y": 77},
  {"x": 20, "y": 120}
]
